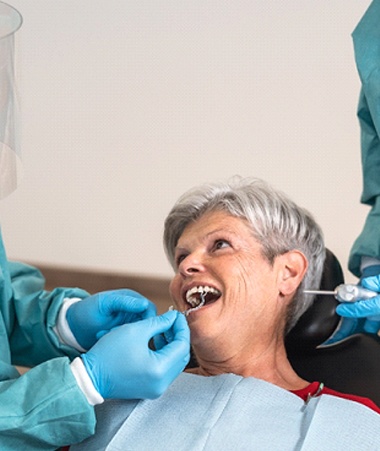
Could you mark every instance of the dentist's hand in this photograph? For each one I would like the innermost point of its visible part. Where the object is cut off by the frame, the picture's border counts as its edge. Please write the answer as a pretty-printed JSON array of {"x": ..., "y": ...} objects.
[
  {"x": 121, "y": 365},
  {"x": 368, "y": 309},
  {"x": 92, "y": 317},
  {"x": 359, "y": 317}
]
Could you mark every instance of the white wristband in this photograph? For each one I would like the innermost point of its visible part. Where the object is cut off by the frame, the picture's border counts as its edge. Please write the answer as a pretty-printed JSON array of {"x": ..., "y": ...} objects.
[
  {"x": 368, "y": 261},
  {"x": 85, "y": 383},
  {"x": 62, "y": 328}
]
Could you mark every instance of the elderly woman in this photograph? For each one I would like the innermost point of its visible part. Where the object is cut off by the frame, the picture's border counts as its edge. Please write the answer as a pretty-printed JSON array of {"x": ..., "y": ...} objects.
[{"x": 242, "y": 253}]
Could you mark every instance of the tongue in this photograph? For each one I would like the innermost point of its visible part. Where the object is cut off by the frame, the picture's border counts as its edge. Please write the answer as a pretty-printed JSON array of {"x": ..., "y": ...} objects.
[{"x": 208, "y": 297}]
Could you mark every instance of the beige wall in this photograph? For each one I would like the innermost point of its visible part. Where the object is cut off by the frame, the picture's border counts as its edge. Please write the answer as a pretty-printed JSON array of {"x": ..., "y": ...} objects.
[{"x": 127, "y": 103}]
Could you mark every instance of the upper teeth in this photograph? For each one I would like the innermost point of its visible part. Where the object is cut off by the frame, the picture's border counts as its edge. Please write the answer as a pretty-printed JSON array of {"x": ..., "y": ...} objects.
[{"x": 195, "y": 300}]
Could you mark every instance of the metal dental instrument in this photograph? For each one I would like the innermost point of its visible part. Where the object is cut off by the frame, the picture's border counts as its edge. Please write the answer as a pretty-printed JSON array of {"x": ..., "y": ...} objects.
[
  {"x": 193, "y": 309},
  {"x": 197, "y": 307},
  {"x": 346, "y": 292},
  {"x": 201, "y": 304}
]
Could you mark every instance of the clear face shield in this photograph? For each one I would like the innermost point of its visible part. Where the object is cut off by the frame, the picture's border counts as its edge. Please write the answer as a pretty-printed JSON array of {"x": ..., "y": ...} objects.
[{"x": 10, "y": 162}]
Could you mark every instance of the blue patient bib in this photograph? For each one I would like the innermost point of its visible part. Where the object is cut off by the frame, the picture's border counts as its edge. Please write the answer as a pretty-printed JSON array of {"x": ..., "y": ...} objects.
[{"x": 229, "y": 412}]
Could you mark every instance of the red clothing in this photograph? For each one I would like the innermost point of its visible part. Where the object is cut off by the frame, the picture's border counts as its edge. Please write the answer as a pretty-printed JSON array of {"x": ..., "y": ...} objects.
[{"x": 312, "y": 389}]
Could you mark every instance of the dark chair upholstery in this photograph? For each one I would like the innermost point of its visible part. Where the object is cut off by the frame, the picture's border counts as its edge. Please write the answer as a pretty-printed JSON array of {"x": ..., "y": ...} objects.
[{"x": 352, "y": 366}]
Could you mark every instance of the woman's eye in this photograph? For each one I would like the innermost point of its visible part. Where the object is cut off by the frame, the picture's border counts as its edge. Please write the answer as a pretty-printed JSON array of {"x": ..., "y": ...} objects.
[
  {"x": 220, "y": 244},
  {"x": 180, "y": 259}
]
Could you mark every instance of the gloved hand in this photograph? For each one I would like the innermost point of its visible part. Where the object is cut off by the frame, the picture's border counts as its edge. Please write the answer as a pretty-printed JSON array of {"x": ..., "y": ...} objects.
[
  {"x": 121, "y": 365},
  {"x": 94, "y": 316},
  {"x": 369, "y": 309},
  {"x": 359, "y": 317}
]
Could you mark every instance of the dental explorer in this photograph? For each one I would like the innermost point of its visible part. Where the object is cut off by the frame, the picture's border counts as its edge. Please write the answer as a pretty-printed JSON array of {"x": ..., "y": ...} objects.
[
  {"x": 346, "y": 292},
  {"x": 193, "y": 309}
]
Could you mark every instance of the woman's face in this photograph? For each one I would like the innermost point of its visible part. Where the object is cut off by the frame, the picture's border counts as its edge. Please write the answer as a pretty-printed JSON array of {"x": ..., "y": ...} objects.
[{"x": 219, "y": 254}]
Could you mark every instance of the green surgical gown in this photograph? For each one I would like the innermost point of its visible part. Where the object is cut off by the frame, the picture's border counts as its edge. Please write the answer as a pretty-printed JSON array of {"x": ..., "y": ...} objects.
[
  {"x": 44, "y": 408},
  {"x": 366, "y": 37}
]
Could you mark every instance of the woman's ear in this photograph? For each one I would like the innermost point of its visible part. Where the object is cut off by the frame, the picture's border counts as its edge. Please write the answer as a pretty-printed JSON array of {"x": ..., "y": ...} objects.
[{"x": 293, "y": 266}]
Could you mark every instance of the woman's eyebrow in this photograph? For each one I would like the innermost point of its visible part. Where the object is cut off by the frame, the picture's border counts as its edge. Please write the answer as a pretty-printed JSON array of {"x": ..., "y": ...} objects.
[
  {"x": 228, "y": 231},
  {"x": 221, "y": 230},
  {"x": 179, "y": 249}
]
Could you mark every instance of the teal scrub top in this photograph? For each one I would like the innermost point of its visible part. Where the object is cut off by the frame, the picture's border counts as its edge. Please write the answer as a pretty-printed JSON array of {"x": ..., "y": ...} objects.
[
  {"x": 44, "y": 408},
  {"x": 366, "y": 37}
]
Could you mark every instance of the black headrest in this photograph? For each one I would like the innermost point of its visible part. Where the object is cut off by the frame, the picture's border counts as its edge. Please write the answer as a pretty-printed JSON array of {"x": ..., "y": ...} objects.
[
  {"x": 318, "y": 323},
  {"x": 352, "y": 366}
]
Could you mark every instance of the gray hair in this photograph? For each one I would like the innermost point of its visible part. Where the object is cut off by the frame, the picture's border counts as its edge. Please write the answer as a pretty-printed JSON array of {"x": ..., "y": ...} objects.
[{"x": 277, "y": 223}]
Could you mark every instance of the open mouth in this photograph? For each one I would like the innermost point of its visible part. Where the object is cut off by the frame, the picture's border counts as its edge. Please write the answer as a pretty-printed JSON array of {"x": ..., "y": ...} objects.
[{"x": 199, "y": 296}]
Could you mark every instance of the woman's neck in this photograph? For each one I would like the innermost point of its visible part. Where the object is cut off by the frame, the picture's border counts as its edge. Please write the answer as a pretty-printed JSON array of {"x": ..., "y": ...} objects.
[{"x": 271, "y": 365}]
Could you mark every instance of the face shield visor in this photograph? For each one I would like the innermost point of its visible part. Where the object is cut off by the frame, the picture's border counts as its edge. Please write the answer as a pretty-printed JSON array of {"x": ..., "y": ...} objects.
[{"x": 10, "y": 162}]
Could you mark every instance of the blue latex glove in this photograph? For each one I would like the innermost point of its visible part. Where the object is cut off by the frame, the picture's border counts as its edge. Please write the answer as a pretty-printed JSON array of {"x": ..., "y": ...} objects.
[
  {"x": 369, "y": 309},
  {"x": 94, "y": 316},
  {"x": 122, "y": 366},
  {"x": 361, "y": 316}
]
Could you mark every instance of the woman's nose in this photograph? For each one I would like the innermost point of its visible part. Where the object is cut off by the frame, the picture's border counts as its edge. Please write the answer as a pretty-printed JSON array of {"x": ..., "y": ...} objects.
[{"x": 193, "y": 263}]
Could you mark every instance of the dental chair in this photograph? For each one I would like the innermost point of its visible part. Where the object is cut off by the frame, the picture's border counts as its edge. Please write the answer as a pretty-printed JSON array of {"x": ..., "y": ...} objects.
[{"x": 352, "y": 366}]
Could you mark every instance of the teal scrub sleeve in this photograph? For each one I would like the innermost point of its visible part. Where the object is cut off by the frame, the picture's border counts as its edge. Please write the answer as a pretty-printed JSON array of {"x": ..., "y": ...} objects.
[
  {"x": 366, "y": 38},
  {"x": 368, "y": 242},
  {"x": 28, "y": 315},
  {"x": 31, "y": 316},
  {"x": 44, "y": 409}
]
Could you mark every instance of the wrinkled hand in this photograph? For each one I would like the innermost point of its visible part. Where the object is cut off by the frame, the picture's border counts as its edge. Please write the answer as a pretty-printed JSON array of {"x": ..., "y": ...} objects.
[
  {"x": 122, "y": 366},
  {"x": 359, "y": 317},
  {"x": 94, "y": 316}
]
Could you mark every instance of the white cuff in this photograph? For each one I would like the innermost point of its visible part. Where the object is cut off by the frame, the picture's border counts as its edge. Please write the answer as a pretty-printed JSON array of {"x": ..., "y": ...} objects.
[
  {"x": 368, "y": 261},
  {"x": 85, "y": 383},
  {"x": 62, "y": 328}
]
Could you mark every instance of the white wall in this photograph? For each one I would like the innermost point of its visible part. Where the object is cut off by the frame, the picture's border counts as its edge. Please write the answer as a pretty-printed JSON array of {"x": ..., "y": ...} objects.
[{"x": 127, "y": 103}]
